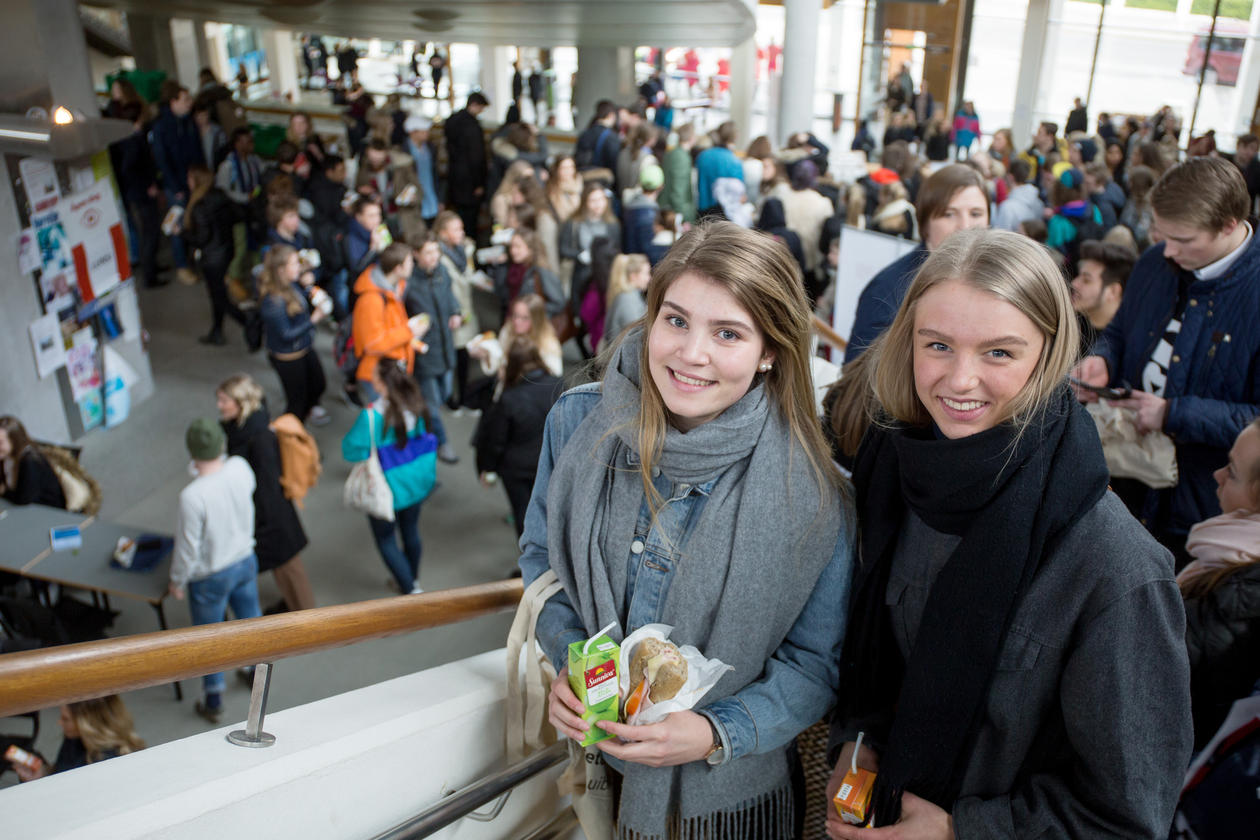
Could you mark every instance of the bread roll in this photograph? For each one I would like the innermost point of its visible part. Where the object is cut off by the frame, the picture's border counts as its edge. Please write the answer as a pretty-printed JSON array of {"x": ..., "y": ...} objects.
[{"x": 664, "y": 666}]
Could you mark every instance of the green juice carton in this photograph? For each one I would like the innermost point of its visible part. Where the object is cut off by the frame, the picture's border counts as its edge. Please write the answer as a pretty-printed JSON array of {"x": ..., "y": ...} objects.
[{"x": 593, "y": 678}]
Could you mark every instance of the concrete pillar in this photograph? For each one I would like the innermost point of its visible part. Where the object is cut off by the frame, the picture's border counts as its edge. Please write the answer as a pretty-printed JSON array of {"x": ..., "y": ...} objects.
[
  {"x": 188, "y": 57},
  {"x": 216, "y": 51},
  {"x": 151, "y": 43},
  {"x": 603, "y": 73},
  {"x": 203, "y": 46},
  {"x": 800, "y": 60},
  {"x": 1036, "y": 28},
  {"x": 743, "y": 87},
  {"x": 282, "y": 65},
  {"x": 61, "y": 35},
  {"x": 1248, "y": 81},
  {"x": 495, "y": 78}
]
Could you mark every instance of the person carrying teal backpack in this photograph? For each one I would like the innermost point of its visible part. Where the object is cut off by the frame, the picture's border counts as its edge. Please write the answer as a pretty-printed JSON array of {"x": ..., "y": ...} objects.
[{"x": 394, "y": 429}]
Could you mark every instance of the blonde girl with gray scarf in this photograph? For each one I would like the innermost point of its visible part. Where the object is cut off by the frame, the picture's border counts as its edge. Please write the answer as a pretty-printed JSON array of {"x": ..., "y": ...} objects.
[{"x": 692, "y": 487}]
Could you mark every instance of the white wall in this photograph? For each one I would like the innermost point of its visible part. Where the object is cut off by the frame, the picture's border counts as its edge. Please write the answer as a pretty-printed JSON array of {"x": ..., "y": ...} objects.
[{"x": 353, "y": 765}]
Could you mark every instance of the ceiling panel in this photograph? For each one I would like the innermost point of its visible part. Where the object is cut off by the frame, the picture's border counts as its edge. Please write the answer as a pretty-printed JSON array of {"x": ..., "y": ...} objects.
[{"x": 541, "y": 23}]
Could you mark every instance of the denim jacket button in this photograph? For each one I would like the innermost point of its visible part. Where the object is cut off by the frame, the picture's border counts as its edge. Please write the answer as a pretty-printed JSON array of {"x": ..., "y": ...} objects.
[{"x": 636, "y": 547}]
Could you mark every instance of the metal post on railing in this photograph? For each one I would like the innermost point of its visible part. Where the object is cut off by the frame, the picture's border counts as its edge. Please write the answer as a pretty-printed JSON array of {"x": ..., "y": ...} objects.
[{"x": 252, "y": 735}]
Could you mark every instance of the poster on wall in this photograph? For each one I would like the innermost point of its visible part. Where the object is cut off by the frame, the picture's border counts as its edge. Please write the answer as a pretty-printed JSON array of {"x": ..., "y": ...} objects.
[
  {"x": 28, "y": 251},
  {"x": 49, "y": 345},
  {"x": 56, "y": 261},
  {"x": 97, "y": 244},
  {"x": 39, "y": 178},
  {"x": 81, "y": 364}
]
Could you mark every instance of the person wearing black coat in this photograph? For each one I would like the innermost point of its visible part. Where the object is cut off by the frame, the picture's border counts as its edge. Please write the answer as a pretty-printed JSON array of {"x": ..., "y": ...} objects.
[
  {"x": 136, "y": 173},
  {"x": 774, "y": 222},
  {"x": 1223, "y": 640},
  {"x": 278, "y": 535},
  {"x": 207, "y": 224},
  {"x": 26, "y": 476},
  {"x": 467, "y": 168},
  {"x": 509, "y": 439}
]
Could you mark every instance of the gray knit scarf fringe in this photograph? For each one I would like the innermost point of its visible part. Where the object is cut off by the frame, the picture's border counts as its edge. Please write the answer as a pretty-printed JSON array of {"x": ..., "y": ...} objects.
[
  {"x": 770, "y": 816},
  {"x": 742, "y": 574}
]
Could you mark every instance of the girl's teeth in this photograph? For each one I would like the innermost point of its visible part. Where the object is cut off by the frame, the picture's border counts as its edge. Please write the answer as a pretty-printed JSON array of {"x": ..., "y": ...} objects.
[
  {"x": 962, "y": 406},
  {"x": 687, "y": 380}
]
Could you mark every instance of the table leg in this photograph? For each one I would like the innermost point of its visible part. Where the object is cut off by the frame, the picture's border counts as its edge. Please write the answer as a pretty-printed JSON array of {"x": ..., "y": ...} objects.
[{"x": 161, "y": 612}]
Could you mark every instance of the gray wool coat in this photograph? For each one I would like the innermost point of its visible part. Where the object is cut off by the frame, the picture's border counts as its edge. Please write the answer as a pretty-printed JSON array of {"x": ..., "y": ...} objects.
[{"x": 1087, "y": 729}]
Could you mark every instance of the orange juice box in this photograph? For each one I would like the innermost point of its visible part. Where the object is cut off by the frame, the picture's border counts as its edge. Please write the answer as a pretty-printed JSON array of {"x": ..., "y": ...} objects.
[
  {"x": 593, "y": 678},
  {"x": 853, "y": 799}
]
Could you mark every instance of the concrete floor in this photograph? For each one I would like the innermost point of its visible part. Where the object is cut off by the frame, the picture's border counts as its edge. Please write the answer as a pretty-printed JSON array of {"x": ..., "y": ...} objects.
[{"x": 142, "y": 465}]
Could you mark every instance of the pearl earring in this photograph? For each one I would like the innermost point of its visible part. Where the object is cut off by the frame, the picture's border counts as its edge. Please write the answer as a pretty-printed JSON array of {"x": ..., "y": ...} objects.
[{"x": 765, "y": 367}]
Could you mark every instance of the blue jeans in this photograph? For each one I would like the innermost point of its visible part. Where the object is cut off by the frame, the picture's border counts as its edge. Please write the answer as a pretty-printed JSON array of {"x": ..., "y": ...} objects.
[
  {"x": 436, "y": 391},
  {"x": 404, "y": 563},
  {"x": 208, "y": 598},
  {"x": 178, "y": 252}
]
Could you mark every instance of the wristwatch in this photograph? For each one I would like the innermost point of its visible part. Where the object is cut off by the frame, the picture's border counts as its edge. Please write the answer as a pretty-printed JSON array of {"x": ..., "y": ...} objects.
[{"x": 717, "y": 753}]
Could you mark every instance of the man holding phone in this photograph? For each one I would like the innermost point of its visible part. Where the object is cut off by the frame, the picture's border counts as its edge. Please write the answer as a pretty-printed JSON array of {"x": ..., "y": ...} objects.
[{"x": 1187, "y": 336}]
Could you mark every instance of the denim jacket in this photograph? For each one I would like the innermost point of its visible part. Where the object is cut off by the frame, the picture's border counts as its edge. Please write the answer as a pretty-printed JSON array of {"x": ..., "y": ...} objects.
[
  {"x": 800, "y": 680},
  {"x": 286, "y": 333}
]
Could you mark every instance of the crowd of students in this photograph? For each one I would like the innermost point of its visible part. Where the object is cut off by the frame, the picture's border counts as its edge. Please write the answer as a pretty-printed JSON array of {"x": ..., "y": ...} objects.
[{"x": 1020, "y": 648}]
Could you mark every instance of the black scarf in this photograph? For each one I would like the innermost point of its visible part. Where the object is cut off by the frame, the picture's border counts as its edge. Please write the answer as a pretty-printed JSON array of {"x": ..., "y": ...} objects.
[{"x": 1010, "y": 497}]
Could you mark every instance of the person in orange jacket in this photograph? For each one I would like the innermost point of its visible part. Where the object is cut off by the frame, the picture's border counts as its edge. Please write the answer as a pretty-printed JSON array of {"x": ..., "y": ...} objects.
[{"x": 380, "y": 327}]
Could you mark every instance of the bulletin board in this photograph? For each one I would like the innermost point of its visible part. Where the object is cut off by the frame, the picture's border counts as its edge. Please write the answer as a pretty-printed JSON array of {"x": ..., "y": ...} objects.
[{"x": 72, "y": 246}]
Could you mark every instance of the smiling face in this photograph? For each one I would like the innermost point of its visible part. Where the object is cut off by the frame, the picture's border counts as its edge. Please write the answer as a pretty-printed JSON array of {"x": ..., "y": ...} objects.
[
  {"x": 703, "y": 350},
  {"x": 973, "y": 354},
  {"x": 967, "y": 208},
  {"x": 1234, "y": 486},
  {"x": 1192, "y": 247}
]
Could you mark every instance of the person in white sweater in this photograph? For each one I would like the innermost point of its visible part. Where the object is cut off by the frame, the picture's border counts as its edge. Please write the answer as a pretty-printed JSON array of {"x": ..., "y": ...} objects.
[{"x": 214, "y": 560}]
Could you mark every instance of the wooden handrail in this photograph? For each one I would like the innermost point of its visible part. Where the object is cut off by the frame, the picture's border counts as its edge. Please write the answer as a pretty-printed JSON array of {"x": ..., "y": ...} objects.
[
  {"x": 48, "y": 677},
  {"x": 828, "y": 334}
]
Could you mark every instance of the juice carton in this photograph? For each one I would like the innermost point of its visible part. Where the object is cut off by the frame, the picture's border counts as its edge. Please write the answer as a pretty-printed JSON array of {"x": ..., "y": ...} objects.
[
  {"x": 593, "y": 678},
  {"x": 853, "y": 799}
]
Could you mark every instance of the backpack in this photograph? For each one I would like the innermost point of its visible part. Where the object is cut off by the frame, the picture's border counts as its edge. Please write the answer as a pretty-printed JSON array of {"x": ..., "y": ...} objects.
[
  {"x": 1086, "y": 228},
  {"x": 299, "y": 458},
  {"x": 585, "y": 156}
]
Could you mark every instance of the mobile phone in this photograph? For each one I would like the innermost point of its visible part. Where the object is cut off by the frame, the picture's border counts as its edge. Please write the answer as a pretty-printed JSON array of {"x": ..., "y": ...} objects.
[{"x": 1107, "y": 393}]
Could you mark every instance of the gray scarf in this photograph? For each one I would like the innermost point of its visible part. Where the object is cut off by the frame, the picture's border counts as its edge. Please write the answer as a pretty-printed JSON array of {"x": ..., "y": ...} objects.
[{"x": 742, "y": 576}]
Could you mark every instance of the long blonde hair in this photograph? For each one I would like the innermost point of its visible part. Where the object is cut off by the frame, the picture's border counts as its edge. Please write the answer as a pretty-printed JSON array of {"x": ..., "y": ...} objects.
[
  {"x": 245, "y": 392},
  {"x": 624, "y": 266},
  {"x": 1008, "y": 266},
  {"x": 271, "y": 283},
  {"x": 764, "y": 278},
  {"x": 105, "y": 725}
]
